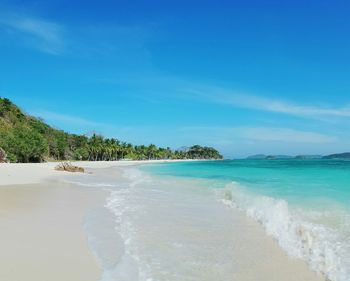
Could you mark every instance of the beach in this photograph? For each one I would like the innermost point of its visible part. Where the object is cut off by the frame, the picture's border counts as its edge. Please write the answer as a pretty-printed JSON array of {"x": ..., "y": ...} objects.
[
  {"x": 117, "y": 222},
  {"x": 42, "y": 217},
  {"x": 41, "y": 233},
  {"x": 174, "y": 140},
  {"x": 41, "y": 222}
]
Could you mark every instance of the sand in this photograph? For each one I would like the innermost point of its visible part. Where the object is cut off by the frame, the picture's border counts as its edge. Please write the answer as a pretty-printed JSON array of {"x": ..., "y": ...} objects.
[
  {"x": 42, "y": 223},
  {"x": 42, "y": 235},
  {"x": 27, "y": 173}
]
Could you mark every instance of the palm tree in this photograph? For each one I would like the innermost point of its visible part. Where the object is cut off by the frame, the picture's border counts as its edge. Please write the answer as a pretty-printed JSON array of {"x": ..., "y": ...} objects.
[
  {"x": 152, "y": 149},
  {"x": 115, "y": 148},
  {"x": 123, "y": 149}
]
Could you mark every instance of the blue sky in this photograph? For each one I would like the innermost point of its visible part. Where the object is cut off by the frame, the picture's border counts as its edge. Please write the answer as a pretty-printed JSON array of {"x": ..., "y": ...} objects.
[{"x": 244, "y": 76}]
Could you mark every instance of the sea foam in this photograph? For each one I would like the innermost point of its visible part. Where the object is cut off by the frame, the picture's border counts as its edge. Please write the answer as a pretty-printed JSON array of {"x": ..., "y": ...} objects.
[
  {"x": 326, "y": 250},
  {"x": 129, "y": 268}
]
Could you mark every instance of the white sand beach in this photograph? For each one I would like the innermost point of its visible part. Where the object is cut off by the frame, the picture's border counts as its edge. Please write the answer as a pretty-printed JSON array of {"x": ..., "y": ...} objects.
[
  {"x": 41, "y": 223},
  {"x": 42, "y": 237},
  {"x": 174, "y": 140},
  {"x": 27, "y": 173},
  {"x": 158, "y": 230}
]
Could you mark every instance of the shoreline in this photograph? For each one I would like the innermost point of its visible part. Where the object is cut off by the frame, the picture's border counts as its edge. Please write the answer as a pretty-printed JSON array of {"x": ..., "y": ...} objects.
[
  {"x": 33, "y": 173},
  {"x": 183, "y": 230},
  {"x": 43, "y": 221},
  {"x": 60, "y": 219}
]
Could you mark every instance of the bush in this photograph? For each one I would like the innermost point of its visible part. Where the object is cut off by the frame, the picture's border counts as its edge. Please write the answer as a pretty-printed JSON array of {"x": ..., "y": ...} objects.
[
  {"x": 28, "y": 145},
  {"x": 81, "y": 154},
  {"x": 3, "y": 156}
]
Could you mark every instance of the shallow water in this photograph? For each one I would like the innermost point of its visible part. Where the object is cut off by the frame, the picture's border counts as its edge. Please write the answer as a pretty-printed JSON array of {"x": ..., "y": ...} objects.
[
  {"x": 170, "y": 228},
  {"x": 303, "y": 204}
]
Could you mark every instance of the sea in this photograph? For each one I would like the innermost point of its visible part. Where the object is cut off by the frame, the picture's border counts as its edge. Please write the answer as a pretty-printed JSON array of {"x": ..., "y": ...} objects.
[{"x": 204, "y": 220}]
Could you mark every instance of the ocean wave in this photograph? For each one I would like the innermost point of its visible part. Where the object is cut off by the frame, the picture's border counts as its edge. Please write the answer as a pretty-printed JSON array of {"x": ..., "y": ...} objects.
[{"x": 325, "y": 249}]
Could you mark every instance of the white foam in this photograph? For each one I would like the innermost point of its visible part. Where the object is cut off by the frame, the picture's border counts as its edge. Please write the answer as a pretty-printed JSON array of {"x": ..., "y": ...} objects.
[
  {"x": 136, "y": 176},
  {"x": 325, "y": 249},
  {"x": 130, "y": 268}
]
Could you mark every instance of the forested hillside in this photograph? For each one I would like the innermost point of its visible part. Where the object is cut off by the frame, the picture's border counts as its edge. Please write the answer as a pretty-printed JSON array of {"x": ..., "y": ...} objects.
[{"x": 25, "y": 138}]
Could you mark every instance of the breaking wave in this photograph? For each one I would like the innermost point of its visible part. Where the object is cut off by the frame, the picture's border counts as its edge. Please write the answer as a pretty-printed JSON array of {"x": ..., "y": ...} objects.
[{"x": 325, "y": 249}]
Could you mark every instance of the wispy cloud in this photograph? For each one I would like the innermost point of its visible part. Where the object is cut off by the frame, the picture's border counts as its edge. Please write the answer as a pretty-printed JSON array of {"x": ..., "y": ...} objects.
[
  {"x": 238, "y": 141},
  {"x": 43, "y": 35},
  {"x": 54, "y": 117},
  {"x": 178, "y": 88},
  {"x": 83, "y": 125},
  {"x": 285, "y": 135},
  {"x": 285, "y": 107},
  {"x": 216, "y": 135},
  {"x": 249, "y": 101}
]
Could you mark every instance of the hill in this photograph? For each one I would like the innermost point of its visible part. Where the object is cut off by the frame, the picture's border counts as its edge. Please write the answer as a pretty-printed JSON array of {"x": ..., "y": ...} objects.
[
  {"x": 268, "y": 157},
  {"x": 345, "y": 155},
  {"x": 257, "y": 157},
  {"x": 308, "y": 157},
  {"x": 24, "y": 138},
  {"x": 282, "y": 157}
]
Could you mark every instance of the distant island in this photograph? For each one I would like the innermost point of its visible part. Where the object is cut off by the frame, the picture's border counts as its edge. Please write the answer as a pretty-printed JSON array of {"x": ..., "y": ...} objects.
[
  {"x": 25, "y": 138},
  {"x": 308, "y": 156},
  {"x": 263, "y": 156},
  {"x": 345, "y": 155}
]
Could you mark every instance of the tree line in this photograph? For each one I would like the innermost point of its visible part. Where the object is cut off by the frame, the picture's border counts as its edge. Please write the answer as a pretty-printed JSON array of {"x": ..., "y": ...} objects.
[{"x": 24, "y": 138}]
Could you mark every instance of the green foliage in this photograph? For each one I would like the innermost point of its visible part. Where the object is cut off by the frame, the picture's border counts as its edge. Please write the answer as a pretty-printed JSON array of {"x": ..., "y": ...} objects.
[
  {"x": 199, "y": 152},
  {"x": 81, "y": 153},
  {"x": 28, "y": 139},
  {"x": 20, "y": 136},
  {"x": 23, "y": 144},
  {"x": 28, "y": 145},
  {"x": 3, "y": 156}
]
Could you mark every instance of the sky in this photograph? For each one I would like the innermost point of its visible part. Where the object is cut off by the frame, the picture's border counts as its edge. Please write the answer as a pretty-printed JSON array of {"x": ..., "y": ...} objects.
[{"x": 246, "y": 77}]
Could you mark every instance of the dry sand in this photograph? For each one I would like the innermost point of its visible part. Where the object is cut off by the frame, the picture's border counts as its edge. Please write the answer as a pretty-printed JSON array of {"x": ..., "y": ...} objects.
[
  {"x": 41, "y": 233},
  {"x": 27, "y": 173}
]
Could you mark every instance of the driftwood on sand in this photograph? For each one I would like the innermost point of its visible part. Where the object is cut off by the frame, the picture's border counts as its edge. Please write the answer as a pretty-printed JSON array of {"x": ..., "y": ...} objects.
[{"x": 68, "y": 167}]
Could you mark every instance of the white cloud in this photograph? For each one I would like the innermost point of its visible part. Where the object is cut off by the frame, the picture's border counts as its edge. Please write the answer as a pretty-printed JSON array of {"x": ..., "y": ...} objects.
[
  {"x": 53, "y": 117},
  {"x": 284, "y": 135},
  {"x": 79, "y": 124},
  {"x": 246, "y": 100},
  {"x": 227, "y": 135},
  {"x": 285, "y": 107},
  {"x": 43, "y": 35}
]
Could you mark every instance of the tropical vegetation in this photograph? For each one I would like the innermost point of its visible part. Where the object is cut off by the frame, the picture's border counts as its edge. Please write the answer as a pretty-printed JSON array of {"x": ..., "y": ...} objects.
[{"x": 24, "y": 138}]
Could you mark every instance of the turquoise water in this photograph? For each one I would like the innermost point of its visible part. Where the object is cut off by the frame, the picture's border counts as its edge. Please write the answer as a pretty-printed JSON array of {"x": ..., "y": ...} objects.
[
  {"x": 298, "y": 181},
  {"x": 303, "y": 204}
]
